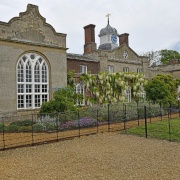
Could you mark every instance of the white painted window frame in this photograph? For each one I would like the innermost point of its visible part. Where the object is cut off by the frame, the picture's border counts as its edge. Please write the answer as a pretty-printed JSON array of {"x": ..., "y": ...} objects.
[
  {"x": 83, "y": 69},
  {"x": 37, "y": 98}
]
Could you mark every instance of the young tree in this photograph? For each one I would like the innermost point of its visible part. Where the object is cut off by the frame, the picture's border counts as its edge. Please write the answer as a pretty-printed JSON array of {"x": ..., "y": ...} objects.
[{"x": 161, "y": 88}]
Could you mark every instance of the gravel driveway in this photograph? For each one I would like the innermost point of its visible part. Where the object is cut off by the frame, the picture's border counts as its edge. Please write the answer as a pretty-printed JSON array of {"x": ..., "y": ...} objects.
[{"x": 110, "y": 156}]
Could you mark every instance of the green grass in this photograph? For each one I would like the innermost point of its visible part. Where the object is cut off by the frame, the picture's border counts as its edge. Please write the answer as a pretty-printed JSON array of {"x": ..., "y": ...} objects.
[{"x": 168, "y": 130}]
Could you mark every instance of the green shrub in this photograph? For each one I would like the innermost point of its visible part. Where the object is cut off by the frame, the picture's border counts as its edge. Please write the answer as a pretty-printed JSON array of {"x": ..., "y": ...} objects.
[
  {"x": 23, "y": 123},
  {"x": 24, "y": 128},
  {"x": 1, "y": 128},
  {"x": 12, "y": 128},
  {"x": 38, "y": 128},
  {"x": 51, "y": 126}
]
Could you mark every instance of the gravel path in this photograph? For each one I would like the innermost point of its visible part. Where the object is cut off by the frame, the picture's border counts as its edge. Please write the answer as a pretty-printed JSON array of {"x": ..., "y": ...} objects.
[{"x": 108, "y": 156}]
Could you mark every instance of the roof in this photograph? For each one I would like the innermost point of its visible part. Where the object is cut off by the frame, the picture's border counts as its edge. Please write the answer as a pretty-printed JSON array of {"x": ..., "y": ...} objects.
[
  {"x": 80, "y": 57},
  {"x": 108, "y": 30}
]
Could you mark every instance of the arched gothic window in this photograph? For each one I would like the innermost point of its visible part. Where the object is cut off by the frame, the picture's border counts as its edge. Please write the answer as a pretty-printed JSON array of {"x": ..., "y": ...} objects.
[{"x": 32, "y": 81}]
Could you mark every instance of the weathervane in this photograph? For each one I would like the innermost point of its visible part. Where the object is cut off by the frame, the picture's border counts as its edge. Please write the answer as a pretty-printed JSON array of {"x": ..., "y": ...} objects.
[{"x": 108, "y": 17}]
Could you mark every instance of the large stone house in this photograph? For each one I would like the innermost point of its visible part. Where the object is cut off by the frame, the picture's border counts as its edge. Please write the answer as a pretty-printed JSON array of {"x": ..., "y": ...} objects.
[{"x": 34, "y": 62}]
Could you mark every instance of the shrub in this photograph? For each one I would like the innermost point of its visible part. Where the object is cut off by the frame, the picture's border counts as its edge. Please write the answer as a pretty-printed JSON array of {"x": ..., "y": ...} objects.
[
  {"x": 12, "y": 128},
  {"x": 83, "y": 122},
  {"x": 23, "y": 123},
  {"x": 1, "y": 128},
  {"x": 38, "y": 128},
  {"x": 50, "y": 126},
  {"x": 24, "y": 128}
]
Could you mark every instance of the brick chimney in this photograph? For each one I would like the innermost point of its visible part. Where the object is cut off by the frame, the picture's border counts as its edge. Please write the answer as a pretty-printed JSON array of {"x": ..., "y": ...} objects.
[
  {"x": 90, "y": 44},
  {"x": 123, "y": 39}
]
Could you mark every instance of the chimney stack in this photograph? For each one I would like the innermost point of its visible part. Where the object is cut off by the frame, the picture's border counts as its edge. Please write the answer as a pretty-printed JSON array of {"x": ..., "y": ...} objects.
[
  {"x": 90, "y": 44},
  {"x": 123, "y": 39}
]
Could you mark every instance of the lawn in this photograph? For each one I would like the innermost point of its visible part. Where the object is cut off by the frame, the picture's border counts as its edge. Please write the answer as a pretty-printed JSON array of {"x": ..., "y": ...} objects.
[{"x": 166, "y": 129}]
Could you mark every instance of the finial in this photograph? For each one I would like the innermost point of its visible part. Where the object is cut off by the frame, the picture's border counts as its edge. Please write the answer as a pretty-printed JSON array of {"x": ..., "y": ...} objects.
[{"x": 108, "y": 17}]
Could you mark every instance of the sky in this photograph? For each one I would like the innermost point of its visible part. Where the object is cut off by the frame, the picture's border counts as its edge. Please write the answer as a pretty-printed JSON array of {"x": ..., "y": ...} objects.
[{"x": 152, "y": 25}]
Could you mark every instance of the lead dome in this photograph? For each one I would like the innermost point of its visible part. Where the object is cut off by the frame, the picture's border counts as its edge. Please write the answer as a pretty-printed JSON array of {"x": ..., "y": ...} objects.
[{"x": 108, "y": 30}]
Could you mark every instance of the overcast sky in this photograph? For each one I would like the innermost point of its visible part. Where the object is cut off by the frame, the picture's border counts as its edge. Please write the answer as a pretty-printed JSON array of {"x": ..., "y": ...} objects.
[{"x": 151, "y": 24}]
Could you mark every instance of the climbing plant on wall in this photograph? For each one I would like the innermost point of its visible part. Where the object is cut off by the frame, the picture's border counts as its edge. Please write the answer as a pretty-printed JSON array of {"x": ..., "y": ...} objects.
[{"x": 111, "y": 88}]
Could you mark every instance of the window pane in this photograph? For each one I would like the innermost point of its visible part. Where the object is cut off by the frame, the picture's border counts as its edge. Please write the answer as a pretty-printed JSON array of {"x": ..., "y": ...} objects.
[
  {"x": 20, "y": 101},
  {"x": 20, "y": 88},
  {"x": 37, "y": 88},
  {"x": 28, "y": 72},
  {"x": 37, "y": 72},
  {"x": 20, "y": 71},
  {"x": 44, "y": 73},
  {"x": 37, "y": 100},
  {"x": 44, "y": 88},
  {"x": 44, "y": 98},
  {"x": 28, "y": 101},
  {"x": 28, "y": 88}
]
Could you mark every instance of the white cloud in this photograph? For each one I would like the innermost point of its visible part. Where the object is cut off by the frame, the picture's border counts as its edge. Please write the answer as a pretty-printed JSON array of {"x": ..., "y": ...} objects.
[{"x": 151, "y": 24}]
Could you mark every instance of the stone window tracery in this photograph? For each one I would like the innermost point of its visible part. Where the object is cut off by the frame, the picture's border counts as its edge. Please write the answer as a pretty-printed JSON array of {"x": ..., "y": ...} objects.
[{"x": 32, "y": 81}]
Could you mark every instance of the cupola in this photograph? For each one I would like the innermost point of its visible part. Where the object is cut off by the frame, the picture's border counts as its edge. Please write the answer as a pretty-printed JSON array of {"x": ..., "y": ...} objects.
[{"x": 108, "y": 37}]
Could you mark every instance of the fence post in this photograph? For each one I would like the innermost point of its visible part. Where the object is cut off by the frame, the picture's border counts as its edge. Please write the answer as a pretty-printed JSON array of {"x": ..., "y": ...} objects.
[
  {"x": 57, "y": 130},
  {"x": 145, "y": 118},
  {"x": 125, "y": 118},
  {"x": 79, "y": 127},
  {"x": 97, "y": 120},
  {"x": 32, "y": 133},
  {"x": 138, "y": 112},
  {"x": 179, "y": 108},
  {"x": 161, "y": 110},
  {"x": 170, "y": 106},
  {"x": 169, "y": 129},
  {"x": 4, "y": 146},
  {"x": 108, "y": 119}
]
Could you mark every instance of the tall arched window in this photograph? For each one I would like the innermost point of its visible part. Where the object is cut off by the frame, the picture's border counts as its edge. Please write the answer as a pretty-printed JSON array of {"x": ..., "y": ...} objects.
[{"x": 32, "y": 81}]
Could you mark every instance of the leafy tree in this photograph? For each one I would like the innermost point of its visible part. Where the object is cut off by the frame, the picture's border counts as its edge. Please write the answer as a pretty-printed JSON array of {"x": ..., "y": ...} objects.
[
  {"x": 162, "y": 57},
  {"x": 169, "y": 55},
  {"x": 161, "y": 88}
]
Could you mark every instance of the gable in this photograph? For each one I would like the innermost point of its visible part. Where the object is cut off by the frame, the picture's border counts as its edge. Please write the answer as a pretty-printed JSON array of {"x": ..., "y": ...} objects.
[
  {"x": 31, "y": 27},
  {"x": 124, "y": 54}
]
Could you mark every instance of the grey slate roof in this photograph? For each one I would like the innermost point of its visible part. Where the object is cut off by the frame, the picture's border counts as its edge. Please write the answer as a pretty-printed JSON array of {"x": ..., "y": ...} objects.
[{"x": 80, "y": 57}]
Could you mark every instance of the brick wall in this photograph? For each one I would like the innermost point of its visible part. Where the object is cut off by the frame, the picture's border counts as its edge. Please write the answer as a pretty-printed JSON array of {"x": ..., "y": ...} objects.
[{"x": 74, "y": 64}]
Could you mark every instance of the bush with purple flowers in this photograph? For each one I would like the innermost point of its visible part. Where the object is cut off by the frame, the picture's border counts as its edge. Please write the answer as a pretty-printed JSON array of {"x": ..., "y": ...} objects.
[{"x": 83, "y": 122}]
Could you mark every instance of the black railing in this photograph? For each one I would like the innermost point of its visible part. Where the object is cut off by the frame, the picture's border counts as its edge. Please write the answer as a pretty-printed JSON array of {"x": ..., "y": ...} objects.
[{"x": 33, "y": 129}]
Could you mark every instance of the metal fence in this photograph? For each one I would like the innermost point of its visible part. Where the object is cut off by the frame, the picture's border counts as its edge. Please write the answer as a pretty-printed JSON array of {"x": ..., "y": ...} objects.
[{"x": 17, "y": 131}]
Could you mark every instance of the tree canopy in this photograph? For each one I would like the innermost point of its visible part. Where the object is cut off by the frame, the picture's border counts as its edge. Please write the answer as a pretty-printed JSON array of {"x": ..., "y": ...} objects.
[
  {"x": 162, "y": 88},
  {"x": 169, "y": 55},
  {"x": 162, "y": 57}
]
